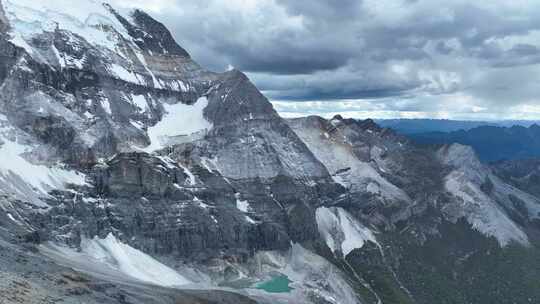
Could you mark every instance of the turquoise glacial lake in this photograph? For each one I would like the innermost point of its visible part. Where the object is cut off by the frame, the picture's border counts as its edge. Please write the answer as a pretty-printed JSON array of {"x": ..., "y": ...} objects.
[{"x": 278, "y": 284}]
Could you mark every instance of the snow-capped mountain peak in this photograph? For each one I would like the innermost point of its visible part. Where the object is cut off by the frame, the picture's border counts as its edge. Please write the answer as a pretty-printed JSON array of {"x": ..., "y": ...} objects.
[{"x": 92, "y": 20}]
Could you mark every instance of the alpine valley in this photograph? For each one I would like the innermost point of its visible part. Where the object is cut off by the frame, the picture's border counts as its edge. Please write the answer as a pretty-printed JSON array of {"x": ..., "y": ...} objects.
[{"x": 130, "y": 174}]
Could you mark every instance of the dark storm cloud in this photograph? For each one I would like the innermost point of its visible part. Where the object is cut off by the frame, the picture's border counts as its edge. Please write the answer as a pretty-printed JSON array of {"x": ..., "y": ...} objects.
[
  {"x": 324, "y": 10},
  {"x": 286, "y": 59},
  {"x": 258, "y": 41},
  {"x": 340, "y": 84},
  {"x": 471, "y": 54}
]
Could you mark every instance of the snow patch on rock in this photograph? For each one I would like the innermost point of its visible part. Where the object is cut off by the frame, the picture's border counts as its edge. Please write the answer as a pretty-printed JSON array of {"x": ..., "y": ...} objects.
[
  {"x": 19, "y": 41},
  {"x": 39, "y": 176},
  {"x": 140, "y": 102},
  {"x": 106, "y": 105},
  {"x": 242, "y": 205},
  {"x": 89, "y": 19},
  {"x": 341, "y": 231},
  {"x": 122, "y": 73},
  {"x": 192, "y": 180},
  {"x": 25, "y": 180},
  {"x": 119, "y": 257},
  {"x": 180, "y": 123}
]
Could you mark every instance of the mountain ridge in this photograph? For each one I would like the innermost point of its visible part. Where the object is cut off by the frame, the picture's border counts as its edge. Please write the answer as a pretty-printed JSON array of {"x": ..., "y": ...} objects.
[
  {"x": 141, "y": 156},
  {"x": 420, "y": 125},
  {"x": 492, "y": 143}
]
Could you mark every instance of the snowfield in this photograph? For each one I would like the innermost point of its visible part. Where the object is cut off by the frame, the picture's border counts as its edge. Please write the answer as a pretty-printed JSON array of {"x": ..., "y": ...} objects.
[
  {"x": 86, "y": 19},
  {"x": 22, "y": 178},
  {"x": 112, "y": 254},
  {"x": 180, "y": 122},
  {"x": 341, "y": 231}
]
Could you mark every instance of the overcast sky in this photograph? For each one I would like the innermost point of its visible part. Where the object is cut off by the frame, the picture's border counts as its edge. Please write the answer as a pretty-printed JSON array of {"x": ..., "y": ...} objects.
[{"x": 371, "y": 58}]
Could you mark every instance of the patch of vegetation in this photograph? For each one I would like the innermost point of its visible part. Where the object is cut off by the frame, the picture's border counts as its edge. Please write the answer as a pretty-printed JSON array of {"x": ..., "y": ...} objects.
[
  {"x": 463, "y": 266},
  {"x": 372, "y": 267}
]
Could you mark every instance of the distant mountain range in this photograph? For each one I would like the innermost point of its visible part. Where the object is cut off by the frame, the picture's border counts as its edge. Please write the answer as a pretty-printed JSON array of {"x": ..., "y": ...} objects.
[
  {"x": 414, "y": 126},
  {"x": 491, "y": 143}
]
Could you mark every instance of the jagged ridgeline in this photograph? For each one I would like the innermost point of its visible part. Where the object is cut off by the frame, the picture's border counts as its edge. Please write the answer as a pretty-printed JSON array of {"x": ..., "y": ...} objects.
[{"x": 130, "y": 174}]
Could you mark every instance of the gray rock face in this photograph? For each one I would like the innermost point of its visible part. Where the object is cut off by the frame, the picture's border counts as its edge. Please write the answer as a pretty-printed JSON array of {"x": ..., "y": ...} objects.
[
  {"x": 372, "y": 163},
  {"x": 150, "y": 203},
  {"x": 228, "y": 205},
  {"x": 150, "y": 35},
  {"x": 524, "y": 174},
  {"x": 80, "y": 98}
]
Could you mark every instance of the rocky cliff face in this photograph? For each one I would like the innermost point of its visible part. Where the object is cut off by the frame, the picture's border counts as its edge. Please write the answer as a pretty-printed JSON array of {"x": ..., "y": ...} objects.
[
  {"x": 524, "y": 174},
  {"x": 126, "y": 161}
]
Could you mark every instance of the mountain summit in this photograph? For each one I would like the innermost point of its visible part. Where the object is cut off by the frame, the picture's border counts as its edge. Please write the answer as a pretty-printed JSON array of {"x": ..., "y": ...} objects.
[{"x": 130, "y": 174}]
